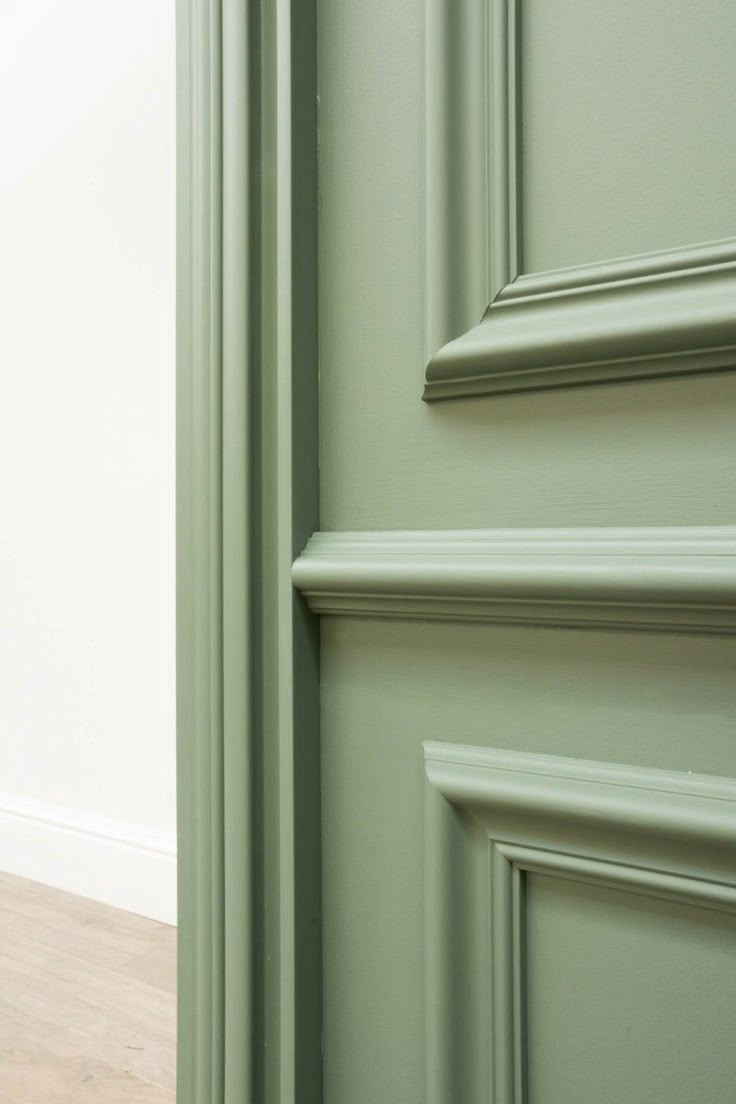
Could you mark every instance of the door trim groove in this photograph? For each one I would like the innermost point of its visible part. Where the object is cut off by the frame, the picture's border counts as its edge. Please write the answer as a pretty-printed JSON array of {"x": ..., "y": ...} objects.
[
  {"x": 249, "y": 965},
  {"x": 668, "y": 579}
]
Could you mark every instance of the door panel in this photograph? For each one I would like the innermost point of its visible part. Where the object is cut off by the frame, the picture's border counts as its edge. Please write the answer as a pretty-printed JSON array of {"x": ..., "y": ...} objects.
[
  {"x": 619, "y": 979},
  {"x": 625, "y": 455},
  {"x": 664, "y": 701},
  {"x": 627, "y": 135},
  {"x": 595, "y": 955}
]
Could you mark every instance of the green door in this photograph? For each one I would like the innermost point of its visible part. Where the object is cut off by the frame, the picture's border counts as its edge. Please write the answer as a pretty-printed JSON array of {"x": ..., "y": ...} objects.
[
  {"x": 520, "y": 573},
  {"x": 457, "y": 561}
]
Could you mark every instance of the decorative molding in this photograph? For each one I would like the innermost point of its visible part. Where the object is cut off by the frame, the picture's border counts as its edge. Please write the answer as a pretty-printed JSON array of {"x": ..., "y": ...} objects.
[
  {"x": 670, "y": 313},
  {"x": 470, "y": 172},
  {"x": 662, "y": 314},
  {"x": 249, "y": 980},
  {"x": 679, "y": 579},
  {"x": 657, "y": 833},
  {"x": 92, "y": 856}
]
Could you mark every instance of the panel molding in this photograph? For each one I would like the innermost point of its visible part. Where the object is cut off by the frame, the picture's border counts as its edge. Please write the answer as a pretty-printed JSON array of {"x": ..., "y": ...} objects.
[
  {"x": 669, "y": 313},
  {"x": 470, "y": 171},
  {"x": 661, "y": 314},
  {"x": 650, "y": 832},
  {"x": 669, "y": 579}
]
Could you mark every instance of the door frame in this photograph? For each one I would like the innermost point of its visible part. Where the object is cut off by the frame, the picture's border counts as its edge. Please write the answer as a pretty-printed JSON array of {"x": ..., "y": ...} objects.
[{"x": 249, "y": 969}]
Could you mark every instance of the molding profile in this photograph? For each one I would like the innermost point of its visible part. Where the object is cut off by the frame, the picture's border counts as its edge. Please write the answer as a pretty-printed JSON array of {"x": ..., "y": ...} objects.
[
  {"x": 471, "y": 179},
  {"x": 249, "y": 975},
  {"x": 649, "y": 832},
  {"x": 662, "y": 314},
  {"x": 666, "y": 314},
  {"x": 672, "y": 580}
]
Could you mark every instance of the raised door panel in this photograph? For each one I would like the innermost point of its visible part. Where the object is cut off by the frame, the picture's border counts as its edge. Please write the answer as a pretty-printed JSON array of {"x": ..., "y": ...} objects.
[
  {"x": 628, "y": 997},
  {"x": 540, "y": 568},
  {"x": 627, "y": 131},
  {"x": 664, "y": 702},
  {"x": 579, "y": 163},
  {"x": 569, "y": 923},
  {"x": 404, "y": 268}
]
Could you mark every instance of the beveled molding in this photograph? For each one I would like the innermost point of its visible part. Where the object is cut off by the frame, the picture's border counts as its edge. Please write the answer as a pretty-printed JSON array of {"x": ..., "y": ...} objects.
[
  {"x": 668, "y": 579},
  {"x": 661, "y": 314},
  {"x": 664, "y": 834}
]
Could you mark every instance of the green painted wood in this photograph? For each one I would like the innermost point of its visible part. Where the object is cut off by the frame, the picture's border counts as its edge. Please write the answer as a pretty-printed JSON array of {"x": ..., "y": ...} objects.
[
  {"x": 469, "y": 171},
  {"x": 410, "y": 492},
  {"x": 558, "y": 334},
  {"x": 664, "y": 701},
  {"x": 639, "y": 453},
  {"x": 628, "y": 144},
  {"x": 287, "y": 442},
  {"x": 318, "y": 919},
  {"x": 247, "y": 663},
  {"x": 650, "y": 833},
  {"x": 601, "y": 953},
  {"x": 199, "y": 569},
  {"x": 669, "y": 579},
  {"x": 471, "y": 180},
  {"x": 667, "y": 314}
]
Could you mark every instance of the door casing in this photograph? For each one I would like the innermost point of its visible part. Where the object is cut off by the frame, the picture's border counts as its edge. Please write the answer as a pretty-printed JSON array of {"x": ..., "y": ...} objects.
[{"x": 247, "y": 651}]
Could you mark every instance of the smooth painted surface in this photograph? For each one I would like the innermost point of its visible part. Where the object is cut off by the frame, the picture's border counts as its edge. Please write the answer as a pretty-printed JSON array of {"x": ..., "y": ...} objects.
[
  {"x": 87, "y": 118},
  {"x": 628, "y": 143},
  {"x": 662, "y": 579},
  {"x": 476, "y": 183},
  {"x": 630, "y": 994},
  {"x": 654, "y": 702},
  {"x": 247, "y": 648},
  {"x": 100, "y": 858},
  {"x": 626, "y": 155},
  {"x": 650, "y": 316},
  {"x": 648, "y": 453},
  {"x": 651, "y": 833}
]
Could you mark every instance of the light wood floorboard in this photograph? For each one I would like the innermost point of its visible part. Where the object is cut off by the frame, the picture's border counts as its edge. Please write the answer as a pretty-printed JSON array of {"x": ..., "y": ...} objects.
[{"x": 87, "y": 1001}]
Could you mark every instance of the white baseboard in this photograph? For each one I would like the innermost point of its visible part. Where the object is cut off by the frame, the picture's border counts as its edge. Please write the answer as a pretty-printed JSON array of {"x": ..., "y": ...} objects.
[{"x": 91, "y": 857}]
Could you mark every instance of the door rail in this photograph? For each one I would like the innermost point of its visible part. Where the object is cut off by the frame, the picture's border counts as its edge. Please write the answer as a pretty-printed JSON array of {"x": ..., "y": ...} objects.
[{"x": 669, "y": 579}]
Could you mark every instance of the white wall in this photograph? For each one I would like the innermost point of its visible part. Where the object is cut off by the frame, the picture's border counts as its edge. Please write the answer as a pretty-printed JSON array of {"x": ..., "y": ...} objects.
[{"x": 87, "y": 135}]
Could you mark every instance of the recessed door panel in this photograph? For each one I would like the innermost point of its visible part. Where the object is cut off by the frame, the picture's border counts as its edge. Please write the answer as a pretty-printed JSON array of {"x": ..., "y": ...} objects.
[
  {"x": 627, "y": 133},
  {"x": 629, "y": 997}
]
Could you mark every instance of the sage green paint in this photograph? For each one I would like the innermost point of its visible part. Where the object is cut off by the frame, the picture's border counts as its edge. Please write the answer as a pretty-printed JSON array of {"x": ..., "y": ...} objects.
[
  {"x": 598, "y": 954},
  {"x": 630, "y": 454},
  {"x": 651, "y": 833},
  {"x": 637, "y": 454},
  {"x": 664, "y": 314},
  {"x": 671, "y": 580},
  {"x": 470, "y": 170},
  {"x": 304, "y": 972},
  {"x": 654, "y": 314},
  {"x": 664, "y": 702},
  {"x": 247, "y": 661},
  {"x": 653, "y": 76}
]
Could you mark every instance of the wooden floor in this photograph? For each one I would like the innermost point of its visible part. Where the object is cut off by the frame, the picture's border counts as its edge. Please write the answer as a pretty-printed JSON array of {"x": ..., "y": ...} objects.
[{"x": 87, "y": 1001}]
